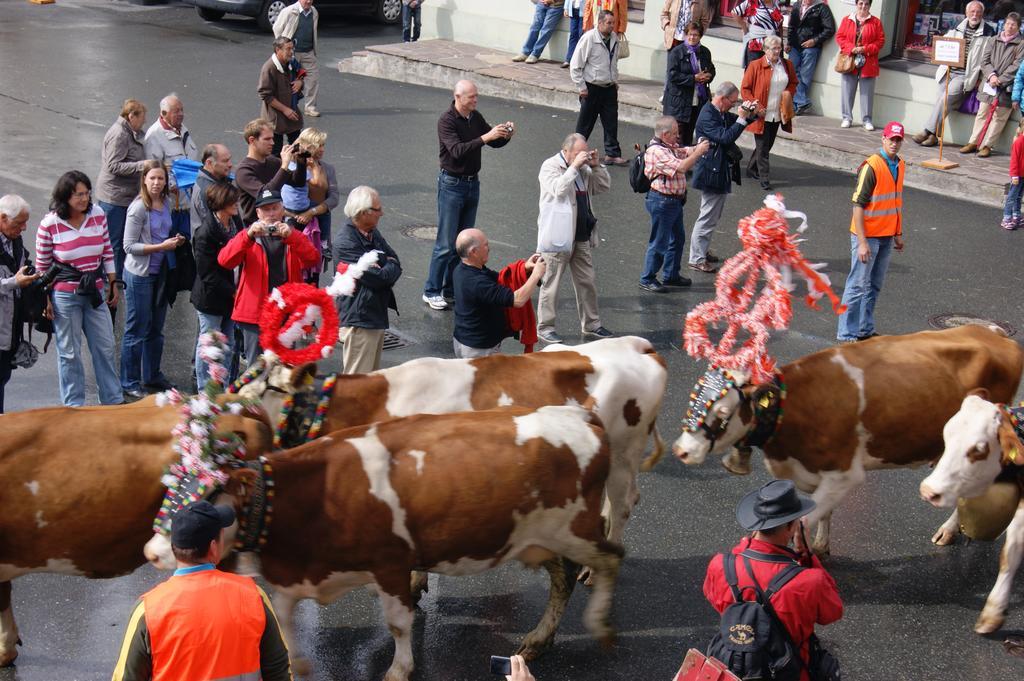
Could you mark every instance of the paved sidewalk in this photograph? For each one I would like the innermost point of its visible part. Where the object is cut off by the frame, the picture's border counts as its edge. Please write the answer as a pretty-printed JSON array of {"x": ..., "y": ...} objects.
[{"x": 816, "y": 139}]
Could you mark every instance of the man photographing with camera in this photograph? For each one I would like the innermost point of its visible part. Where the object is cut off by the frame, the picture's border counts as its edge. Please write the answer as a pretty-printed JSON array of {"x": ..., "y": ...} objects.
[
  {"x": 270, "y": 253},
  {"x": 719, "y": 167}
]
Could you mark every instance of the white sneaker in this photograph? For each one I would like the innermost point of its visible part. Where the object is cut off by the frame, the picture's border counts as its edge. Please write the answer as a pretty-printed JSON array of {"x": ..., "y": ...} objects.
[
  {"x": 845, "y": 123},
  {"x": 868, "y": 126},
  {"x": 435, "y": 302},
  {"x": 519, "y": 58},
  {"x": 312, "y": 112},
  {"x": 532, "y": 59}
]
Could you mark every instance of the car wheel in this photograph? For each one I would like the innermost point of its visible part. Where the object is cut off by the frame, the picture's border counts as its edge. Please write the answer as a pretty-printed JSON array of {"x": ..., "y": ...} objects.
[
  {"x": 268, "y": 14},
  {"x": 389, "y": 11},
  {"x": 209, "y": 14}
]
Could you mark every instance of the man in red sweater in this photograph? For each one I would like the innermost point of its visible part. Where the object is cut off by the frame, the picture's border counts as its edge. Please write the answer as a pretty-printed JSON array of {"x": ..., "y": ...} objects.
[{"x": 774, "y": 514}]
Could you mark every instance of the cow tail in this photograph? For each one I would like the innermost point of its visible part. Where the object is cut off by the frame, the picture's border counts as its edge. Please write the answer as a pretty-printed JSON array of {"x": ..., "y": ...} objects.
[{"x": 655, "y": 456}]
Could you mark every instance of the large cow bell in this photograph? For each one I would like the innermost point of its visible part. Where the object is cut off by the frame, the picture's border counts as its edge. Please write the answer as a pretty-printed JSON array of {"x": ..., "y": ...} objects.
[{"x": 987, "y": 516}]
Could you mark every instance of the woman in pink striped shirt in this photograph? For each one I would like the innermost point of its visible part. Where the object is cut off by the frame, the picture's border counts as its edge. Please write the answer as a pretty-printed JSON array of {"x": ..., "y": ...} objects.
[{"x": 73, "y": 238}]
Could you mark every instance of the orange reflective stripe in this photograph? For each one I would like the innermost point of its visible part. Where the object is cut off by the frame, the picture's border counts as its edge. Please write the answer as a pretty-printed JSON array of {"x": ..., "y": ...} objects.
[
  {"x": 883, "y": 216},
  {"x": 188, "y": 616}
]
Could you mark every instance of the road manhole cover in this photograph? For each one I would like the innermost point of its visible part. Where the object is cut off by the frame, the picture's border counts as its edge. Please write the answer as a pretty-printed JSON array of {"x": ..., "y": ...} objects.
[
  {"x": 393, "y": 340},
  {"x": 952, "y": 320},
  {"x": 423, "y": 232}
]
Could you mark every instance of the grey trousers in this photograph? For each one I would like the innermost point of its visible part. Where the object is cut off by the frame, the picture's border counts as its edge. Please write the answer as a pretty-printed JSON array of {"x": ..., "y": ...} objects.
[
  {"x": 311, "y": 86},
  {"x": 711, "y": 206},
  {"x": 466, "y": 352},
  {"x": 849, "y": 93},
  {"x": 581, "y": 267},
  {"x": 957, "y": 93},
  {"x": 360, "y": 353}
]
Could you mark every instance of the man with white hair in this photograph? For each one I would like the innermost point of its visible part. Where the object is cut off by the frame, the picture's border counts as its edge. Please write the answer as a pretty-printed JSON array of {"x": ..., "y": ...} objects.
[
  {"x": 568, "y": 180},
  {"x": 166, "y": 141},
  {"x": 976, "y": 35},
  {"x": 13, "y": 277},
  {"x": 461, "y": 133},
  {"x": 363, "y": 316},
  {"x": 299, "y": 21}
]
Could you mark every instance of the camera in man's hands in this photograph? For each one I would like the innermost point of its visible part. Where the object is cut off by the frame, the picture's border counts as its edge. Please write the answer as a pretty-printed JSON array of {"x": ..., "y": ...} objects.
[{"x": 272, "y": 230}]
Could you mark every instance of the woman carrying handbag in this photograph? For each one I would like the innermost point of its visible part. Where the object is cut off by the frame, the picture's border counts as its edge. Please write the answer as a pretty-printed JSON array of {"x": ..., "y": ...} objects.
[{"x": 860, "y": 38}]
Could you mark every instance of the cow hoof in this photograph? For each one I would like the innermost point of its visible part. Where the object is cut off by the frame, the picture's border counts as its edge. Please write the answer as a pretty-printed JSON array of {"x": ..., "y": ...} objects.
[
  {"x": 988, "y": 624},
  {"x": 586, "y": 577},
  {"x": 301, "y": 667},
  {"x": 736, "y": 463},
  {"x": 821, "y": 551},
  {"x": 945, "y": 537},
  {"x": 531, "y": 650},
  {"x": 607, "y": 639}
]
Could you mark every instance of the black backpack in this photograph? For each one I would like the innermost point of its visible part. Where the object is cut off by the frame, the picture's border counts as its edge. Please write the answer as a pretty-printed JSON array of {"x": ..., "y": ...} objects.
[
  {"x": 752, "y": 642},
  {"x": 638, "y": 179}
]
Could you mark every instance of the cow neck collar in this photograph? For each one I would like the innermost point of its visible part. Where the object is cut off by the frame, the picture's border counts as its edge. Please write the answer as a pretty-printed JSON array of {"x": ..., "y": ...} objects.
[
  {"x": 767, "y": 403},
  {"x": 302, "y": 416},
  {"x": 1014, "y": 459},
  {"x": 254, "y": 521}
]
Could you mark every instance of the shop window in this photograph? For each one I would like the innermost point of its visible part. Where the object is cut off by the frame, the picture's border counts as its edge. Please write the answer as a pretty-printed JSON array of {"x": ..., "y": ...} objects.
[{"x": 924, "y": 19}]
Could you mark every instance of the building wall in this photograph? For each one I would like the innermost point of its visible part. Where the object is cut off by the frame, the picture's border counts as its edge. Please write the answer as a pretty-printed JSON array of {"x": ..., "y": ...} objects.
[{"x": 899, "y": 95}]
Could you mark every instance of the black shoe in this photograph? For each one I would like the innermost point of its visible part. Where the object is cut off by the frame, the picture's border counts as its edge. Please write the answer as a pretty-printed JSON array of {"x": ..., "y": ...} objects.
[
  {"x": 653, "y": 287},
  {"x": 766, "y": 185},
  {"x": 801, "y": 110},
  {"x": 752, "y": 174},
  {"x": 159, "y": 386},
  {"x": 712, "y": 258},
  {"x": 134, "y": 395},
  {"x": 599, "y": 332},
  {"x": 550, "y": 337},
  {"x": 678, "y": 281},
  {"x": 867, "y": 337}
]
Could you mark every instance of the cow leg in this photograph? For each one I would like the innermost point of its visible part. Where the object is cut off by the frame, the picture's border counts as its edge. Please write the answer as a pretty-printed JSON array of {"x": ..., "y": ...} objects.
[
  {"x": 8, "y": 627},
  {"x": 994, "y": 612},
  {"x": 948, "y": 531},
  {"x": 396, "y": 603},
  {"x": 563, "y": 579},
  {"x": 832, "y": 489},
  {"x": 822, "y": 532},
  {"x": 284, "y": 607},
  {"x": 737, "y": 461},
  {"x": 603, "y": 558}
]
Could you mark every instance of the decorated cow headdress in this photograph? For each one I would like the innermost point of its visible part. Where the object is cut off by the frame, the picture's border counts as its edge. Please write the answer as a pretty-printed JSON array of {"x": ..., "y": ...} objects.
[{"x": 770, "y": 252}]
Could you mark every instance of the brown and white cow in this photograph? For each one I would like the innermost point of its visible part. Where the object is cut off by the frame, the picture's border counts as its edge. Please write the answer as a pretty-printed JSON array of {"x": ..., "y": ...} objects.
[
  {"x": 622, "y": 380},
  {"x": 81, "y": 487},
  {"x": 880, "y": 403},
  {"x": 455, "y": 494},
  {"x": 981, "y": 445}
]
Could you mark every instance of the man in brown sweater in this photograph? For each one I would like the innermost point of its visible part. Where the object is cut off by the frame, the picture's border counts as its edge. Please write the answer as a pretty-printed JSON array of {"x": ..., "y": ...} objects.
[
  {"x": 278, "y": 85},
  {"x": 261, "y": 170}
]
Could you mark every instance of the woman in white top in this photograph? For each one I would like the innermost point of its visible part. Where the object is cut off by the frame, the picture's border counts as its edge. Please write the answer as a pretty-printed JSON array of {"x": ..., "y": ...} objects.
[{"x": 771, "y": 82}]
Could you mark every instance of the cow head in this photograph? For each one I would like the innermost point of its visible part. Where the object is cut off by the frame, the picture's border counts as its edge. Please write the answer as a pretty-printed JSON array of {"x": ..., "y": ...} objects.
[
  {"x": 234, "y": 493},
  {"x": 979, "y": 442},
  {"x": 272, "y": 382},
  {"x": 718, "y": 415}
]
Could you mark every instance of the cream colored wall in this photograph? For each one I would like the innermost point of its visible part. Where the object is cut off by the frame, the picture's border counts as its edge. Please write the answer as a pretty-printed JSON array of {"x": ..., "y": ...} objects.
[{"x": 504, "y": 25}]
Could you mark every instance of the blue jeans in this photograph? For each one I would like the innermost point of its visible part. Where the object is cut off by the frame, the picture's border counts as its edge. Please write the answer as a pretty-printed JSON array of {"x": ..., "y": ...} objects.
[
  {"x": 116, "y": 217},
  {"x": 804, "y": 59},
  {"x": 411, "y": 23},
  {"x": 1011, "y": 209},
  {"x": 143, "y": 343},
  {"x": 72, "y": 315},
  {"x": 665, "y": 247},
  {"x": 575, "y": 31},
  {"x": 457, "y": 200},
  {"x": 545, "y": 20},
  {"x": 224, "y": 324},
  {"x": 862, "y": 288}
]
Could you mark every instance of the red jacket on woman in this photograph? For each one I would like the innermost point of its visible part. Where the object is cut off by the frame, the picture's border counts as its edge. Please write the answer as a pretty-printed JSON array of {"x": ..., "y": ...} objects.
[
  {"x": 253, "y": 284},
  {"x": 872, "y": 37}
]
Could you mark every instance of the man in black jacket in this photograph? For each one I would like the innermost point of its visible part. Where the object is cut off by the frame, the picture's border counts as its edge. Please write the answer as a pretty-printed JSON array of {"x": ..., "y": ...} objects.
[
  {"x": 719, "y": 167},
  {"x": 363, "y": 316},
  {"x": 13, "y": 277},
  {"x": 811, "y": 25}
]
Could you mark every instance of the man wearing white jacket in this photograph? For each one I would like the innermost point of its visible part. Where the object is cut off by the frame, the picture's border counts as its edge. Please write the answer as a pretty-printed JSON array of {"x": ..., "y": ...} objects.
[
  {"x": 299, "y": 22},
  {"x": 568, "y": 180}
]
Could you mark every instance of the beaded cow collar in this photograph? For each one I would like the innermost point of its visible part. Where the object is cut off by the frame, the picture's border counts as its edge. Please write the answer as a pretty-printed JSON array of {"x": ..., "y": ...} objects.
[{"x": 711, "y": 387}]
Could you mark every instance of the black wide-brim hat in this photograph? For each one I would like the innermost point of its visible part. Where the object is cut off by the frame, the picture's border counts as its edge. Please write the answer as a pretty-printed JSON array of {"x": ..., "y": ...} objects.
[{"x": 775, "y": 503}]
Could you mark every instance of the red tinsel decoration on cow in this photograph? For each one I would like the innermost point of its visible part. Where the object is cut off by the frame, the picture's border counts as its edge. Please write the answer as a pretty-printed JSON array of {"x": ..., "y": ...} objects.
[
  {"x": 769, "y": 252},
  {"x": 294, "y": 313}
]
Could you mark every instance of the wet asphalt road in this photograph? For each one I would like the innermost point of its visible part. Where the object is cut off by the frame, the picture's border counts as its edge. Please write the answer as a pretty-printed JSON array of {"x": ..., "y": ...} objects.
[{"x": 911, "y": 606}]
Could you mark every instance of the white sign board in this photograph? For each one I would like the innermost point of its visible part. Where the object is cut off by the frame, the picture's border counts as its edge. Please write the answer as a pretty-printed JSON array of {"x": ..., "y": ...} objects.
[{"x": 948, "y": 51}]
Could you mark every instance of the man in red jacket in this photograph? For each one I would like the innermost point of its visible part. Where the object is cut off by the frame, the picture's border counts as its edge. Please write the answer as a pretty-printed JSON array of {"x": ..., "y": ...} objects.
[
  {"x": 271, "y": 253},
  {"x": 774, "y": 514}
]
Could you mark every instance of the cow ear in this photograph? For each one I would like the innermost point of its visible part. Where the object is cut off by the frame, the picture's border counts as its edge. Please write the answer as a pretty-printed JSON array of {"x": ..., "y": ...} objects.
[
  {"x": 239, "y": 480},
  {"x": 979, "y": 392},
  {"x": 301, "y": 374}
]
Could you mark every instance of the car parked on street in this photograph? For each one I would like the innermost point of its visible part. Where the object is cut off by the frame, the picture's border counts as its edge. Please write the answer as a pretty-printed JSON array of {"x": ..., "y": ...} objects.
[{"x": 266, "y": 11}]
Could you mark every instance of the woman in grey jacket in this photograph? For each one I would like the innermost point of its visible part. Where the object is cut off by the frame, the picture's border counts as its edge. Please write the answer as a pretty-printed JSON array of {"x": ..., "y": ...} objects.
[
  {"x": 147, "y": 239},
  {"x": 121, "y": 162}
]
